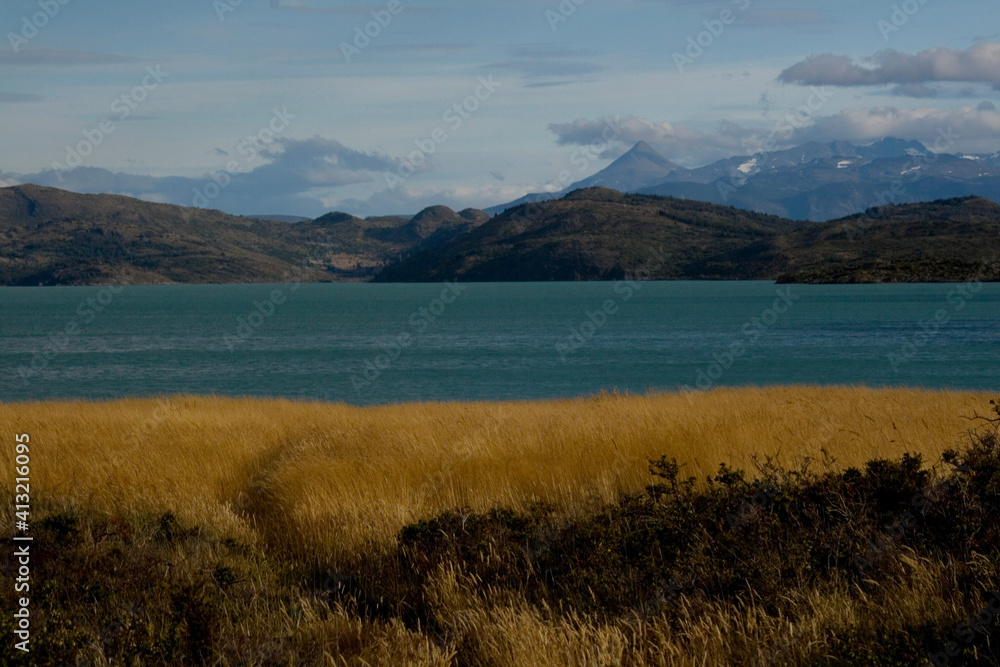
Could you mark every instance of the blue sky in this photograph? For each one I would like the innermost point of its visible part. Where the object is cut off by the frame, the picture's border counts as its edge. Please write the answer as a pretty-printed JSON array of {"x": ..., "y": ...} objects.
[{"x": 535, "y": 82}]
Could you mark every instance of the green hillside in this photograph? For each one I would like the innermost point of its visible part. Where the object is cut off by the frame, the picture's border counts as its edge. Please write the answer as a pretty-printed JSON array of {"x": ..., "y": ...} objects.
[
  {"x": 53, "y": 237},
  {"x": 600, "y": 234}
]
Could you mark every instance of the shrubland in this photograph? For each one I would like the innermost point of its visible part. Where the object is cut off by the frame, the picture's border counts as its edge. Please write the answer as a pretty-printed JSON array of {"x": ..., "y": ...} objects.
[{"x": 787, "y": 525}]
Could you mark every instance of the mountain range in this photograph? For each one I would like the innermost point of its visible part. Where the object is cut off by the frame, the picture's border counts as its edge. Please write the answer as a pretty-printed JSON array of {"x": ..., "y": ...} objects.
[
  {"x": 814, "y": 181},
  {"x": 53, "y": 237},
  {"x": 602, "y": 234}
]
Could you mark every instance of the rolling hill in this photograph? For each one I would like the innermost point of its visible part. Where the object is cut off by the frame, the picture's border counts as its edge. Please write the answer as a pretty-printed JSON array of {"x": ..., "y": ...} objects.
[
  {"x": 600, "y": 234},
  {"x": 54, "y": 237}
]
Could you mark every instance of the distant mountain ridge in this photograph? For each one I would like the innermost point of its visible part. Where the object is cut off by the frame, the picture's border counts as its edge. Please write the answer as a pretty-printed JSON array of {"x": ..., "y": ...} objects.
[
  {"x": 601, "y": 234},
  {"x": 815, "y": 181},
  {"x": 54, "y": 237},
  {"x": 639, "y": 167}
]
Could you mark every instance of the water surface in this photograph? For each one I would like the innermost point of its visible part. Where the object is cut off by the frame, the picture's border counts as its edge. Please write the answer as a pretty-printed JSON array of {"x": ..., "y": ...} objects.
[{"x": 372, "y": 343}]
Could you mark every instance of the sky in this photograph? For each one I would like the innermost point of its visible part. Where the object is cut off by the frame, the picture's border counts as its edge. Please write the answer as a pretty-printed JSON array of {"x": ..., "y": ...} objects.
[{"x": 301, "y": 107}]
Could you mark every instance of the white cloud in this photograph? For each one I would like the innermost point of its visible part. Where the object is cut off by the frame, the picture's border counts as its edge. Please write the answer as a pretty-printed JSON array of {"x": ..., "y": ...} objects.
[
  {"x": 980, "y": 63},
  {"x": 974, "y": 129},
  {"x": 286, "y": 182},
  {"x": 676, "y": 142}
]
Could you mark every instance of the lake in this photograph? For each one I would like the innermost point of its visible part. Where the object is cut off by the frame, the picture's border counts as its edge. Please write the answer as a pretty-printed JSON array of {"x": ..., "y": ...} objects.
[{"x": 376, "y": 343}]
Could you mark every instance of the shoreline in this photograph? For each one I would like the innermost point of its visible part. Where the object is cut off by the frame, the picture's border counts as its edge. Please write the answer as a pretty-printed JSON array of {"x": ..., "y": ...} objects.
[
  {"x": 603, "y": 393},
  {"x": 780, "y": 280}
]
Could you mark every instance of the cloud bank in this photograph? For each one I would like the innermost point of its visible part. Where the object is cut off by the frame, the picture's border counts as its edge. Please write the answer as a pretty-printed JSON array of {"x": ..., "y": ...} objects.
[
  {"x": 677, "y": 142},
  {"x": 282, "y": 177},
  {"x": 970, "y": 129},
  {"x": 978, "y": 64}
]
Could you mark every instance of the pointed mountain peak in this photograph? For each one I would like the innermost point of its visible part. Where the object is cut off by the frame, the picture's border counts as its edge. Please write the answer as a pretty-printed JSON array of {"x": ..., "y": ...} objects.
[
  {"x": 640, "y": 167},
  {"x": 643, "y": 151},
  {"x": 642, "y": 147}
]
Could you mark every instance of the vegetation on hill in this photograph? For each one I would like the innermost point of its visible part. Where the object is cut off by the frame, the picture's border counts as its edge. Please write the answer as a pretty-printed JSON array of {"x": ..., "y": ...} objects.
[
  {"x": 597, "y": 234},
  {"x": 950, "y": 240},
  {"x": 600, "y": 234},
  {"x": 598, "y": 531},
  {"x": 53, "y": 237}
]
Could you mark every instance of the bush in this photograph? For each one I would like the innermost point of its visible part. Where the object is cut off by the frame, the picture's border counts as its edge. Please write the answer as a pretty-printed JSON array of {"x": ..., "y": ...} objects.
[
  {"x": 736, "y": 540},
  {"x": 902, "y": 545}
]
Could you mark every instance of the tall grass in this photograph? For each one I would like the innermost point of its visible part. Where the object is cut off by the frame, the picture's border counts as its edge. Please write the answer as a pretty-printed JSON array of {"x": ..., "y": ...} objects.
[
  {"x": 334, "y": 481},
  {"x": 268, "y": 532}
]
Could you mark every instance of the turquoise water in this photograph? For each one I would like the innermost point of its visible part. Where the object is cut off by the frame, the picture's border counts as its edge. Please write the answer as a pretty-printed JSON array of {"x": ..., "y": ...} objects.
[{"x": 363, "y": 343}]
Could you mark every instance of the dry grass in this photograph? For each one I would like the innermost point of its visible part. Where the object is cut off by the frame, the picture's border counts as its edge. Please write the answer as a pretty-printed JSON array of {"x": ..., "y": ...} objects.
[
  {"x": 343, "y": 480},
  {"x": 502, "y": 630},
  {"x": 306, "y": 487}
]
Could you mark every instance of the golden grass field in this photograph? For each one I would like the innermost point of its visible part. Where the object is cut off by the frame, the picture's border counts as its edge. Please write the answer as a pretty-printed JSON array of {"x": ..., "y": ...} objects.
[
  {"x": 341, "y": 480},
  {"x": 303, "y": 487}
]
